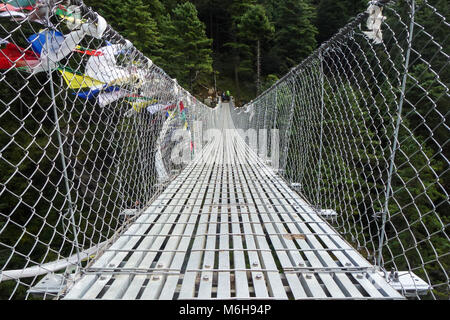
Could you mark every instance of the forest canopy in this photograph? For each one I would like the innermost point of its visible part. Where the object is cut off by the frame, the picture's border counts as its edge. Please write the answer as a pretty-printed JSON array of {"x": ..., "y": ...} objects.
[{"x": 239, "y": 45}]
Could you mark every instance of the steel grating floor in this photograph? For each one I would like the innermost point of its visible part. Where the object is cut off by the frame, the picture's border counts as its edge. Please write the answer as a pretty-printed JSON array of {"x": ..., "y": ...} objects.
[{"x": 230, "y": 228}]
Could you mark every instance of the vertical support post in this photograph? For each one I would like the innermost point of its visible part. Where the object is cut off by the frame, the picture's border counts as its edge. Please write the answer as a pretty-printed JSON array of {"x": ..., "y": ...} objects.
[
  {"x": 60, "y": 143},
  {"x": 258, "y": 67},
  {"x": 192, "y": 119},
  {"x": 275, "y": 149},
  {"x": 262, "y": 144},
  {"x": 198, "y": 137},
  {"x": 396, "y": 142},
  {"x": 263, "y": 133},
  {"x": 283, "y": 163},
  {"x": 265, "y": 113},
  {"x": 257, "y": 108},
  {"x": 119, "y": 175},
  {"x": 275, "y": 109},
  {"x": 140, "y": 175},
  {"x": 319, "y": 175},
  {"x": 274, "y": 135}
]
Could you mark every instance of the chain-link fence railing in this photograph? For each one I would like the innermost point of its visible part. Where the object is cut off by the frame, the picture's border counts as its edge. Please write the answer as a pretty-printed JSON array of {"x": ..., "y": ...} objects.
[
  {"x": 363, "y": 136},
  {"x": 88, "y": 128}
]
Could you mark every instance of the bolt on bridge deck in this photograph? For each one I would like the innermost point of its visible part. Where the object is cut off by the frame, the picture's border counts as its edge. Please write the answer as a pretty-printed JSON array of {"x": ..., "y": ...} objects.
[{"x": 229, "y": 228}]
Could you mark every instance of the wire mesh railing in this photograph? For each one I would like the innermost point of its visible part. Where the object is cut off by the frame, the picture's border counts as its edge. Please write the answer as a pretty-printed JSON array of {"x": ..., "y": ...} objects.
[
  {"x": 362, "y": 133},
  {"x": 89, "y": 127}
]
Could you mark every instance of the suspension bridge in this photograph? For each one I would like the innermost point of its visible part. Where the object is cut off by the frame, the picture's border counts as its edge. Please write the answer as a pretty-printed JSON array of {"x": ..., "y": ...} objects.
[{"x": 119, "y": 184}]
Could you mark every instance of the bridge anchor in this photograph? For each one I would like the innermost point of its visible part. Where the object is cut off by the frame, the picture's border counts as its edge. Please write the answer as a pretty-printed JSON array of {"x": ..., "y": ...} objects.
[
  {"x": 51, "y": 285},
  {"x": 407, "y": 283}
]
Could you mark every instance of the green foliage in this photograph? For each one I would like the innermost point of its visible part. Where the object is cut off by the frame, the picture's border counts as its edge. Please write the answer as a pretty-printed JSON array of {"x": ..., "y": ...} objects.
[
  {"x": 294, "y": 18},
  {"x": 333, "y": 15},
  {"x": 254, "y": 24},
  {"x": 269, "y": 81},
  {"x": 187, "y": 50},
  {"x": 136, "y": 21},
  {"x": 141, "y": 27}
]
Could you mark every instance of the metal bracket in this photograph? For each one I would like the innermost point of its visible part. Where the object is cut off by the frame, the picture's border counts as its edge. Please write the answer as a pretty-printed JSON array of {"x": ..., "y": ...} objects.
[
  {"x": 407, "y": 283},
  {"x": 50, "y": 285},
  {"x": 296, "y": 185},
  {"x": 328, "y": 213},
  {"x": 128, "y": 212}
]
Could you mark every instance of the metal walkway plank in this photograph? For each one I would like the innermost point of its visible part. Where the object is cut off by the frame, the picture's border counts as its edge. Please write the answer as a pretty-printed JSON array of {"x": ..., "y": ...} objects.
[{"x": 228, "y": 227}]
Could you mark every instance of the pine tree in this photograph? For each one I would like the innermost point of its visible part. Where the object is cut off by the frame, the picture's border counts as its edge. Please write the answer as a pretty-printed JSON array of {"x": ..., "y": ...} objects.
[
  {"x": 170, "y": 55},
  {"x": 239, "y": 49},
  {"x": 156, "y": 9},
  {"x": 140, "y": 27},
  {"x": 295, "y": 36},
  {"x": 172, "y": 4},
  {"x": 111, "y": 10},
  {"x": 255, "y": 26},
  {"x": 135, "y": 20},
  {"x": 187, "y": 50}
]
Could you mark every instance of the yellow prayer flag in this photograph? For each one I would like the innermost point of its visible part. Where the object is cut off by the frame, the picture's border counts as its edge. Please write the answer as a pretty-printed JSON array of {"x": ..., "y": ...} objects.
[
  {"x": 75, "y": 81},
  {"x": 139, "y": 105}
]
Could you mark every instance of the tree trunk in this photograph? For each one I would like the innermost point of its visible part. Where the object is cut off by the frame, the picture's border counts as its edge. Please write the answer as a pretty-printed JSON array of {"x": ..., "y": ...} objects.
[
  {"x": 258, "y": 67},
  {"x": 236, "y": 75},
  {"x": 236, "y": 63}
]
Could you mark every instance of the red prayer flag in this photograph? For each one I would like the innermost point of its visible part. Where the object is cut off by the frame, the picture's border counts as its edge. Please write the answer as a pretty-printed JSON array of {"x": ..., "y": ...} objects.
[
  {"x": 4, "y": 7},
  {"x": 13, "y": 55},
  {"x": 170, "y": 107}
]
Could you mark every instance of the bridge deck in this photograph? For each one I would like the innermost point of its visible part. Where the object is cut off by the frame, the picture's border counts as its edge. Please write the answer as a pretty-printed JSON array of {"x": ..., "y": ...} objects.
[{"x": 230, "y": 228}]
